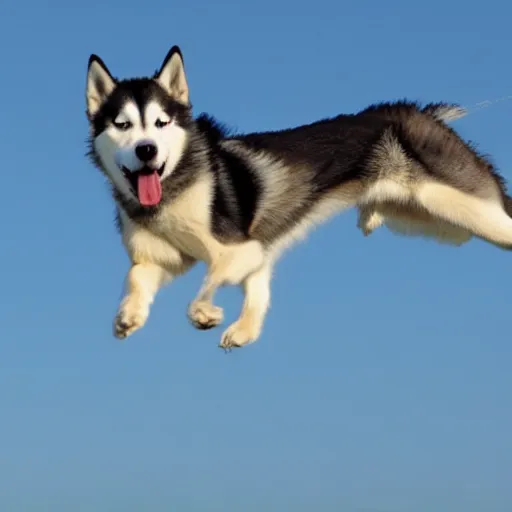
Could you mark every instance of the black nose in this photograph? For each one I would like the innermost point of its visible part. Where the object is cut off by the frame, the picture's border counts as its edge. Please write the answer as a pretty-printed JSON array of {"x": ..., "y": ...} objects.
[{"x": 145, "y": 152}]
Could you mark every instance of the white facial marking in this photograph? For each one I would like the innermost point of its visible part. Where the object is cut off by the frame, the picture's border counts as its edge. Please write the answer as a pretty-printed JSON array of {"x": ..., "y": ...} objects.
[
  {"x": 169, "y": 137},
  {"x": 117, "y": 144},
  {"x": 154, "y": 116},
  {"x": 121, "y": 118},
  {"x": 125, "y": 131}
]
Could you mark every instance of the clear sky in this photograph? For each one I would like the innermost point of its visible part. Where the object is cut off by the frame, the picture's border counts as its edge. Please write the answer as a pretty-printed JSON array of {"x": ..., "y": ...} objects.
[{"x": 382, "y": 381}]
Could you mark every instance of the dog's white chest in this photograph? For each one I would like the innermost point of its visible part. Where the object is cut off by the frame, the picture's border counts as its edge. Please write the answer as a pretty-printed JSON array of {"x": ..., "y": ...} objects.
[{"x": 185, "y": 223}]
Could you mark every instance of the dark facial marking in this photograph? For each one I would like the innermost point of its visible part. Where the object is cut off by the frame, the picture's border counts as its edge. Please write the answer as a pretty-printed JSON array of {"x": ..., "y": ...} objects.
[{"x": 141, "y": 91}]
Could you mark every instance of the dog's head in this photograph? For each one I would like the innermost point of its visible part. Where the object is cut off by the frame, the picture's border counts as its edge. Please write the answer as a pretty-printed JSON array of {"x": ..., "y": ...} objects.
[{"x": 139, "y": 126}]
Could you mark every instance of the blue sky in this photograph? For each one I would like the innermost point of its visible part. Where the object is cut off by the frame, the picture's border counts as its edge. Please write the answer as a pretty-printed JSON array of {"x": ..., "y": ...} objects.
[{"x": 382, "y": 380}]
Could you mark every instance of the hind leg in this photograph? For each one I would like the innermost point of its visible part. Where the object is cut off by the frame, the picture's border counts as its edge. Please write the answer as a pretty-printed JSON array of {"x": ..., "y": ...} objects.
[
  {"x": 369, "y": 220},
  {"x": 485, "y": 218}
]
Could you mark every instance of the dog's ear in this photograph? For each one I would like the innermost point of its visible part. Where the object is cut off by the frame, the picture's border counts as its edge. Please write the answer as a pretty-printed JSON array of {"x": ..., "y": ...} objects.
[
  {"x": 100, "y": 84},
  {"x": 172, "y": 76}
]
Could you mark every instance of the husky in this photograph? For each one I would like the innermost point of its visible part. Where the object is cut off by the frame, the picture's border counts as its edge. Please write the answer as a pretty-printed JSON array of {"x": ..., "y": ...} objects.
[{"x": 188, "y": 190}]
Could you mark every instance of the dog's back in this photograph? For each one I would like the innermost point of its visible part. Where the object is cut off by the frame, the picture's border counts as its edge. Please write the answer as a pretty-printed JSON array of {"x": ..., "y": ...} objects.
[{"x": 386, "y": 160}]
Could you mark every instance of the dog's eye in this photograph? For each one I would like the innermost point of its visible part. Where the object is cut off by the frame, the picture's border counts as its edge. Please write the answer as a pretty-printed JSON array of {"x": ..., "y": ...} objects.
[
  {"x": 123, "y": 125},
  {"x": 160, "y": 124}
]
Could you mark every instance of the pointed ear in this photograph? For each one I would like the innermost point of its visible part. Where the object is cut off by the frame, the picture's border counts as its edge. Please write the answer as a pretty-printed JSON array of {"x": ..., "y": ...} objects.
[
  {"x": 172, "y": 76},
  {"x": 100, "y": 84}
]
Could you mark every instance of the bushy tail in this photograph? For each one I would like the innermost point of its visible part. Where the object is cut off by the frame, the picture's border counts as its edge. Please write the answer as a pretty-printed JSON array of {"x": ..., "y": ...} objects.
[{"x": 445, "y": 111}]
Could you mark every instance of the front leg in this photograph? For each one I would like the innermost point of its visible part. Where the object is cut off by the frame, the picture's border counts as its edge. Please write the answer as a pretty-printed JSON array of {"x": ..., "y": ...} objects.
[
  {"x": 142, "y": 284},
  {"x": 155, "y": 262},
  {"x": 231, "y": 266},
  {"x": 248, "y": 327}
]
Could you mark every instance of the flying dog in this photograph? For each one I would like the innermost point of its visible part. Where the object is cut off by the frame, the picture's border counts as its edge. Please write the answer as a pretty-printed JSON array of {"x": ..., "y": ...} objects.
[{"x": 188, "y": 190}]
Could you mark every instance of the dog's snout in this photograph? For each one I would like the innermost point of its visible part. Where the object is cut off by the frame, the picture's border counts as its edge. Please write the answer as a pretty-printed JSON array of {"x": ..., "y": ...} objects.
[{"x": 146, "y": 152}]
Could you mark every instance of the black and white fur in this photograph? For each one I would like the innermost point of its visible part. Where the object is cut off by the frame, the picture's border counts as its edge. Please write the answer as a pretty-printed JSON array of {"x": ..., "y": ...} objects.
[{"x": 237, "y": 201}]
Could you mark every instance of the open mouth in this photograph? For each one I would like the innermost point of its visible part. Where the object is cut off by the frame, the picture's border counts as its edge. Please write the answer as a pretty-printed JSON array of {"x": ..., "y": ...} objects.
[{"x": 145, "y": 184}]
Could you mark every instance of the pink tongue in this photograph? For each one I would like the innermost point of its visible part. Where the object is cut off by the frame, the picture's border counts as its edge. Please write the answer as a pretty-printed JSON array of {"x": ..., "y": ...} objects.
[{"x": 149, "y": 189}]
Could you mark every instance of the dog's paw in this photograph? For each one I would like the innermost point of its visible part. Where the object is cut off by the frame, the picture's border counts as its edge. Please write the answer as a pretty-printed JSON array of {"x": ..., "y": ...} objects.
[
  {"x": 237, "y": 334},
  {"x": 204, "y": 315},
  {"x": 369, "y": 221},
  {"x": 132, "y": 315}
]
